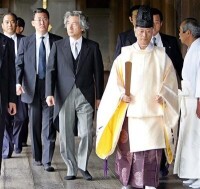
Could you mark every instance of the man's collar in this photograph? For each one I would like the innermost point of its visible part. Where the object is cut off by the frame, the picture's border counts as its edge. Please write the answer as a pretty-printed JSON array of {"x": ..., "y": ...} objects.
[{"x": 39, "y": 35}]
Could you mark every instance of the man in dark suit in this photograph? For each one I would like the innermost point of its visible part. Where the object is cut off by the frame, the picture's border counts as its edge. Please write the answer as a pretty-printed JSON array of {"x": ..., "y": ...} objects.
[
  {"x": 74, "y": 80},
  {"x": 24, "y": 132},
  {"x": 173, "y": 51},
  {"x": 31, "y": 62},
  {"x": 128, "y": 37},
  {"x": 12, "y": 135},
  {"x": 7, "y": 83},
  {"x": 169, "y": 42}
]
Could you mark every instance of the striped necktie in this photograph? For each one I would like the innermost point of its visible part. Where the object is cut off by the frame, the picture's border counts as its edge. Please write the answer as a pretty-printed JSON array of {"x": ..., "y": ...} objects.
[{"x": 75, "y": 50}]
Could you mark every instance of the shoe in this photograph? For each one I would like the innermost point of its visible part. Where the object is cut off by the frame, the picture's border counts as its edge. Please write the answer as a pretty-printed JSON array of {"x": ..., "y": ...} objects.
[
  {"x": 86, "y": 174},
  {"x": 18, "y": 151},
  {"x": 37, "y": 163},
  {"x": 70, "y": 177},
  {"x": 6, "y": 157},
  {"x": 164, "y": 172},
  {"x": 24, "y": 144},
  {"x": 126, "y": 187},
  {"x": 195, "y": 184},
  {"x": 190, "y": 181},
  {"x": 48, "y": 168}
]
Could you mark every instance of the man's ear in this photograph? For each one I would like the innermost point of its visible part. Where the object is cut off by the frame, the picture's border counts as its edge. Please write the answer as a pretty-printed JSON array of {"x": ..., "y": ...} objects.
[
  {"x": 21, "y": 29},
  {"x": 33, "y": 23},
  {"x": 130, "y": 18},
  {"x": 188, "y": 32}
]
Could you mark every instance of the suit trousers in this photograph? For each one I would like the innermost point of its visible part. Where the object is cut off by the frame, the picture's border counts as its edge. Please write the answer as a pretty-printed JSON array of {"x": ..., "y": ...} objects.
[
  {"x": 2, "y": 128},
  {"x": 41, "y": 126},
  {"x": 13, "y": 127},
  {"x": 8, "y": 145},
  {"x": 20, "y": 119},
  {"x": 76, "y": 104}
]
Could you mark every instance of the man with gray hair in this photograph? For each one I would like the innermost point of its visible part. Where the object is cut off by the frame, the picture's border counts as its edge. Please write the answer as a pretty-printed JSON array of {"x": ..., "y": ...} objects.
[
  {"x": 74, "y": 80},
  {"x": 187, "y": 156}
]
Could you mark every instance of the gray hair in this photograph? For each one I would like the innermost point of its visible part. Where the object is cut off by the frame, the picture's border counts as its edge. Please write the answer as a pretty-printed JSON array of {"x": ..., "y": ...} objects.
[
  {"x": 82, "y": 19},
  {"x": 192, "y": 25}
]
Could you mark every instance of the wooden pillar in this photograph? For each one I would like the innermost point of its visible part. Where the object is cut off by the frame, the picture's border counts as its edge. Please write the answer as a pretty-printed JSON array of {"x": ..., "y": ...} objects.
[
  {"x": 115, "y": 26},
  {"x": 5, "y": 4},
  {"x": 168, "y": 10},
  {"x": 145, "y": 2},
  {"x": 125, "y": 9},
  {"x": 81, "y": 5},
  {"x": 156, "y": 4}
]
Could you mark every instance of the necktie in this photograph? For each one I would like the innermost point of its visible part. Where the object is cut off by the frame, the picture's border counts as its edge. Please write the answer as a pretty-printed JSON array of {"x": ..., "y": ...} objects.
[
  {"x": 42, "y": 60},
  {"x": 15, "y": 46},
  {"x": 75, "y": 50},
  {"x": 154, "y": 41}
]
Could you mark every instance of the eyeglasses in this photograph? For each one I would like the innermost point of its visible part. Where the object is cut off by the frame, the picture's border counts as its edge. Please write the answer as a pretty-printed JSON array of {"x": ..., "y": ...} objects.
[{"x": 42, "y": 20}]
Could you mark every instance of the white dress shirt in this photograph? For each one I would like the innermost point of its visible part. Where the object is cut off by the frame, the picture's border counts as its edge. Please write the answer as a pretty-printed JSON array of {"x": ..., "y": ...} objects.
[
  {"x": 158, "y": 40},
  {"x": 78, "y": 44}
]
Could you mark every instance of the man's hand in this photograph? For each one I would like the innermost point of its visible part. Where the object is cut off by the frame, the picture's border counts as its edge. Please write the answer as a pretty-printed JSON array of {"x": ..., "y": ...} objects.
[
  {"x": 12, "y": 110},
  {"x": 97, "y": 104},
  {"x": 128, "y": 99},
  {"x": 50, "y": 101},
  {"x": 198, "y": 108},
  {"x": 19, "y": 89}
]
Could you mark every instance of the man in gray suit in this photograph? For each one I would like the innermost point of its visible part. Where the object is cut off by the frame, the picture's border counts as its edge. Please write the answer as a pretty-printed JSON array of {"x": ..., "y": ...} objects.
[
  {"x": 33, "y": 53},
  {"x": 74, "y": 80},
  {"x": 7, "y": 83}
]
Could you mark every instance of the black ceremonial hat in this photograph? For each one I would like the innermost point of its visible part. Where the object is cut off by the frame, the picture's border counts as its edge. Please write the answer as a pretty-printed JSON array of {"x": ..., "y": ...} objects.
[{"x": 144, "y": 17}]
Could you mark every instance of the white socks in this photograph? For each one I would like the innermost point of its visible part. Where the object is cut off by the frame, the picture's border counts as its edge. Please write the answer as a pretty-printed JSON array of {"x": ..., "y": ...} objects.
[
  {"x": 195, "y": 184},
  {"x": 190, "y": 181},
  {"x": 126, "y": 187},
  {"x": 149, "y": 187},
  {"x": 146, "y": 187}
]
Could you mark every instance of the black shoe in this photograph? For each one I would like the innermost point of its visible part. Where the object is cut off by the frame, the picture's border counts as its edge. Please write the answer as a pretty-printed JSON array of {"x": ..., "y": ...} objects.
[
  {"x": 164, "y": 172},
  {"x": 48, "y": 168},
  {"x": 24, "y": 144},
  {"x": 86, "y": 174},
  {"x": 70, "y": 177},
  {"x": 37, "y": 163},
  {"x": 18, "y": 151},
  {"x": 6, "y": 157}
]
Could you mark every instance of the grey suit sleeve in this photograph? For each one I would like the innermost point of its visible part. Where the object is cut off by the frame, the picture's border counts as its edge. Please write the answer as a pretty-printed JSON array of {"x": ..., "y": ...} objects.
[{"x": 20, "y": 62}]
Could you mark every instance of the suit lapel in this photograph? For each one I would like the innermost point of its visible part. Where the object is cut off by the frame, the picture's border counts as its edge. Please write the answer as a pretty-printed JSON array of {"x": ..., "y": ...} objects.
[
  {"x": 18, "y": 40},
  {"x": 164, "y": 41},
  {"x": 32, "y": 51},
  {"x": 83, "y": 54},
  {"x": 2, "y": 46},
  {"x": 51, "y": 40},
  {"x": 67, "y": 53}
]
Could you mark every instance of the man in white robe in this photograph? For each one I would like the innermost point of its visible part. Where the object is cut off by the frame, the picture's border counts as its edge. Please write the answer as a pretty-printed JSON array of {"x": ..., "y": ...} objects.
[
  {"x": 187, "y": 161},
  {"x": 152, "y": 108}
]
